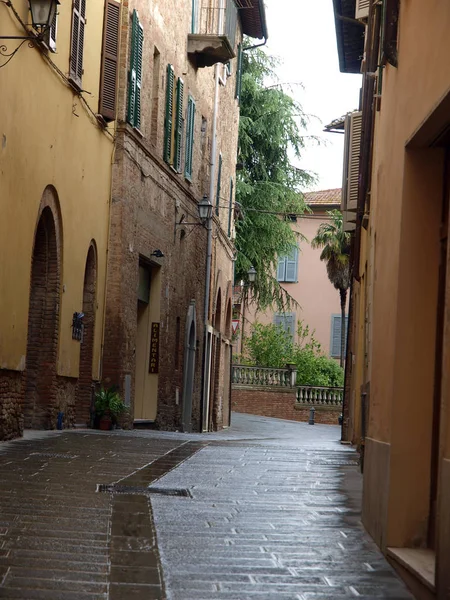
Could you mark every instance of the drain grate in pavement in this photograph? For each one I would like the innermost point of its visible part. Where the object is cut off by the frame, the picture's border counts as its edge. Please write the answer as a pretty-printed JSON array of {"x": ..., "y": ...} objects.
[{"x": 140, "y": 490}]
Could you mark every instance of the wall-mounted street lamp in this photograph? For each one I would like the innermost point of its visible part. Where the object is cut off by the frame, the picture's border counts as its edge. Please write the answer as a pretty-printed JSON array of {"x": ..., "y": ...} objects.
[
  {"x": 251, "y": 274},
  {"x": 42, "y": 15}
]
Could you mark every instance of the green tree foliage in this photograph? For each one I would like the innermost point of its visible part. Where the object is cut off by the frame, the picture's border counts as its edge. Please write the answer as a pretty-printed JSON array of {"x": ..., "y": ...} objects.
[
  {"x": 272, "y": 346},
  {"x": 335, "y": 244},
  {"x": 268, "y": 184}
]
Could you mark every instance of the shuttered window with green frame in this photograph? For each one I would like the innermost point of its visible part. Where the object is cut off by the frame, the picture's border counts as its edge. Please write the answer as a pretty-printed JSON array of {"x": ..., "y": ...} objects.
[
  {"x": 168, "y": 123},
  {"x": 135, "y": 73},
  {"x": 178, "y": 126},
  {"x": 239, "y": 73},
  {"x": 190, "y": 122},
  {"x": 219, "y": 183},
  {"x": 230, "y": 208}
]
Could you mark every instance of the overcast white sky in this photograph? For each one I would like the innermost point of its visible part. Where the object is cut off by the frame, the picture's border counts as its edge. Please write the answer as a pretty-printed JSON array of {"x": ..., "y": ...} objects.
[{"x": 302, "y": 35}]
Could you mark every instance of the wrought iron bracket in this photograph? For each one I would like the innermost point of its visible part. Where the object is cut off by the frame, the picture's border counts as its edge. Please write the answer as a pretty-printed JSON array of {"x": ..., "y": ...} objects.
[{"x": 10, "y": 55}]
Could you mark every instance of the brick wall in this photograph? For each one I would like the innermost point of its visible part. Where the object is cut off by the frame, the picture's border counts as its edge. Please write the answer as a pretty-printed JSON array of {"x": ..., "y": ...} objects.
[
  {"x": 278, "y": 403},
  {"x": 11, "y": 398}
]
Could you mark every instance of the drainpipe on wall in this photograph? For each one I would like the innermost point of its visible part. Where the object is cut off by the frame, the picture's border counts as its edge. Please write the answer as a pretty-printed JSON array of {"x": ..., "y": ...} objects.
[{"x": 209, "y": 227}]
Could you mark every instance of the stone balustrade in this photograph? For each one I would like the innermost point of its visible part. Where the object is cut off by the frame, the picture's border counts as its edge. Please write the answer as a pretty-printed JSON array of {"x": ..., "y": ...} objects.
[
  {"x": 262, "y": 376},
  {"x": 319, "y": 396}
]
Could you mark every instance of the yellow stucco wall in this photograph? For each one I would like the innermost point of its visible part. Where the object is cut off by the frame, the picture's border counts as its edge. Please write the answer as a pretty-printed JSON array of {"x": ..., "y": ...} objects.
[{"x": 47, "y": 137}]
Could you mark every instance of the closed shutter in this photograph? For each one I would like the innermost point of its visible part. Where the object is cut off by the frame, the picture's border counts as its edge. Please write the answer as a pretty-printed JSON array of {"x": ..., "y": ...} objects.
[
  {"x": 230, "y": 207},
  {"x": 179, "y": 126},
  {"x": 281, "y": 270},
  {"x": 286, "y": 321},
  {"x": 108, "y": 77},
  {"x": 77, "y": 42},
  {"x": 219, "y": 182},
  {"x": 362, "y": 9},
  {"x": 168, "y": 124},
  {"x": 132, "y": 76},
  {"x": 189, "y": 138},
  {"x": 335, "y": 349},
  {"x": 354, "y": 152},
  {"x": 139, "y": 51},
  {"x": 239, "y": 73},
  {"x": 292, "y": 266}
]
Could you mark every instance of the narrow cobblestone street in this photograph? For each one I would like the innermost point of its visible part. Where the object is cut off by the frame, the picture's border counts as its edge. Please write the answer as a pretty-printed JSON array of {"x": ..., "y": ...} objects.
[{"x": 266, "y": 510}]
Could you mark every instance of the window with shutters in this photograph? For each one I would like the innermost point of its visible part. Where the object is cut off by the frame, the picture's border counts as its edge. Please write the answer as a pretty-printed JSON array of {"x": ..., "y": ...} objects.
[
  {"x": 219, "y": 183},
  {"x": 179, "y": 126},
  {"x": 287, "y": 270},
  {"x": 135, "y": 73},
  {"x": 50, "y": 35},
  {"x": 77, "y": 41},
  {"x": 189, "y": 154},
  {"x": 350, "y": 182},
  {"x": 286, "y": 321},
  {"x": 240, "y": 58},
  {"x": 168, "y": 121},
  {"x": 108, "y": 75},
  {"x": 230, "y": 207},
  {"x": 194, "y": 20},
  {"x": 335, "y": 345}
]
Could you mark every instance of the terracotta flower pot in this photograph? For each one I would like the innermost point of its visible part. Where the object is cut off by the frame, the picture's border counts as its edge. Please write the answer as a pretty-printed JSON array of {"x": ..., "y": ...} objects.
[{"x": 105, "y": 423}]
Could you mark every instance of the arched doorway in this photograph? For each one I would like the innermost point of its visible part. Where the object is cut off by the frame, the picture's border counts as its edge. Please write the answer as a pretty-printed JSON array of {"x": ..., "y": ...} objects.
[
  {"x": 189, "y": 368},
  {"x": 84, "y": 387},
  {"x": 43, "y": 321}
]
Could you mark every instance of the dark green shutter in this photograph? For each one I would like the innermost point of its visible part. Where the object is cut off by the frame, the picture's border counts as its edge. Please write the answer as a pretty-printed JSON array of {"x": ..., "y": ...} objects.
[
  {"x": 230, "y": 208},
  {"x": 239, "y": 72},
  {"x": 219, "y": 177},
  {"x": 188, "y": 160},
  {"x": 139, "y": 49},
  {"x": 168, "y": 124},
  {"x": 179, "y": 126},
  {"x": 132, "y": 77}
]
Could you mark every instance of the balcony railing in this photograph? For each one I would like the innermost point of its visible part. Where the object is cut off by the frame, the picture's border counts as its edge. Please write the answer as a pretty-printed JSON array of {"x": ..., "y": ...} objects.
[
  {"x": 215, "y": 35},
  {"x": 262, "y": 376},
  {"x": 319, "y": 396}
]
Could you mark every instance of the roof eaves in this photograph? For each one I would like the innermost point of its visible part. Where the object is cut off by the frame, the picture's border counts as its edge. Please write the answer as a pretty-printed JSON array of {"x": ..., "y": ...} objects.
[
  {"x": 253, "y": 18},
  {"x": 349, "y": 35}
]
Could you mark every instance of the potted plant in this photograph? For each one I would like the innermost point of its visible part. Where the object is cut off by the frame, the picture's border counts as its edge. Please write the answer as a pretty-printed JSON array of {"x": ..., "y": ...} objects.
[{"x": 108, "y": 407}]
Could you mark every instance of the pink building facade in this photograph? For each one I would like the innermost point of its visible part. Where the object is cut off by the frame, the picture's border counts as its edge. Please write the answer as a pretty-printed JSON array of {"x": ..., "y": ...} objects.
[{"x": 304, "y": 276}]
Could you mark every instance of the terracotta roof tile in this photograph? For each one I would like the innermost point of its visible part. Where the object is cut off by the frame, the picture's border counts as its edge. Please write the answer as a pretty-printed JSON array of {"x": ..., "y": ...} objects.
[{"x": 326, "y": 197}]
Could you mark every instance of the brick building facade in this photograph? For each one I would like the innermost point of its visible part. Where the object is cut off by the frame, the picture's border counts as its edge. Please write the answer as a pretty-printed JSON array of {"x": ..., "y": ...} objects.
[{"x": 178, "y": 104}]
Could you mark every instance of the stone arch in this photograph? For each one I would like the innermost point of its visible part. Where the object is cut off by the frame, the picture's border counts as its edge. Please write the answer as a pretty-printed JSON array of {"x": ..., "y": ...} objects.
[
  {"x": 43, "y": 316},
  {"x": 218, "y": 311},
  {"x": 84, "y": 386},
  {"x": 228, "y": 320}
]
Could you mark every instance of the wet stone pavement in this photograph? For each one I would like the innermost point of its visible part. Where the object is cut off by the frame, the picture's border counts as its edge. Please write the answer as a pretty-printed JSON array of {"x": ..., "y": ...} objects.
[{"x": 268, "y": 509}]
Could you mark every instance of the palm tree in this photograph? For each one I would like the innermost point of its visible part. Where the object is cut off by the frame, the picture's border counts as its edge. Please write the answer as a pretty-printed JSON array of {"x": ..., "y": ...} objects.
[{"x": 335, "y": 244}]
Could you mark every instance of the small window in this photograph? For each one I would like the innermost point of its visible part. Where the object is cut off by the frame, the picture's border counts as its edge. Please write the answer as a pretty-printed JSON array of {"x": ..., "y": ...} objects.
[
  {"x": 288, "y": 267},
  {"x": 52, "y": 32},
  {"x": 286, "y": 321},
  {"x": 190, "y": 122},
  {"x": 135, "y": 74},
  {"x": 77, "y": 41},
  {"x": 335, "y": 346}
]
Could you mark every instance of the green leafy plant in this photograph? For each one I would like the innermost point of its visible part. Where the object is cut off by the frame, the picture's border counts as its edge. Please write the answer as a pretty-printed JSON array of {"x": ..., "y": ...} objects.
[
  {"x": 272, "y": 346},
  {"x": 109, "y": 402}
]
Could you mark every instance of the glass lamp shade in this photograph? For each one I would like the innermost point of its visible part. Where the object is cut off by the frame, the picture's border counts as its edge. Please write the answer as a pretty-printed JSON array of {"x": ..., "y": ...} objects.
[
  {"x": 252, "y": 274},
  {"x": 42, "y": 12},
  {"x": 205, "y": 209}
]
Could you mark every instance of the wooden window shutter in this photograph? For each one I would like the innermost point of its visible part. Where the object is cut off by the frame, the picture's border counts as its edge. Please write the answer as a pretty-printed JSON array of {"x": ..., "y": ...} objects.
[
  {"x": 132, "y": 75},
  {"x": 77, "y": 41},
  {"x": 239, "y": 73},
  {"x": 189, "y": 156},
  {"x": 292, "y": 266},
  {"x": 354, "y": 151},
  {"x": 179, "y": 126},
  {"x": 335, "y": 346},
  {"x": 230, "y": 207},
  {"x": 53, "y": 32},
  {"x": 139, "y": 51},
  {"x": 281, "y": 269},
  {"x": 168, "y": 124},
  {"x": 219, "y": 182},
  {"x": 108, "y": 77}
]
